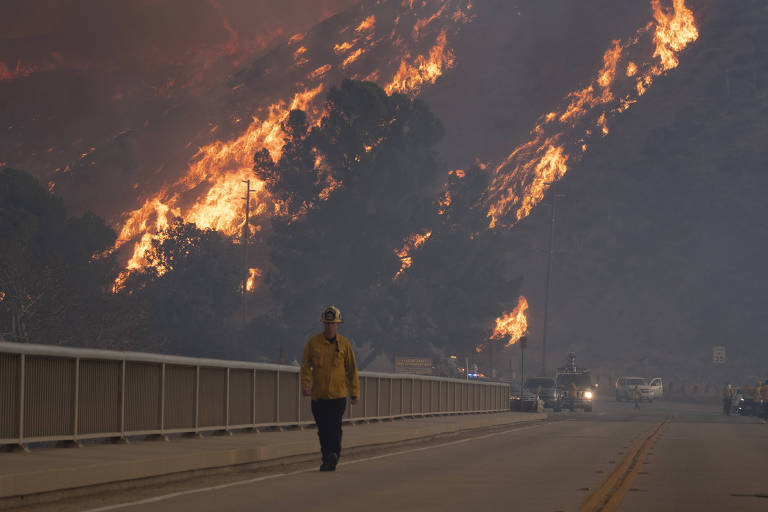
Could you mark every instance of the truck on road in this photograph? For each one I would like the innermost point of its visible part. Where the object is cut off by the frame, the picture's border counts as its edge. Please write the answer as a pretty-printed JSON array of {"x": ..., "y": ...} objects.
[{"x": 575, "y": 389}]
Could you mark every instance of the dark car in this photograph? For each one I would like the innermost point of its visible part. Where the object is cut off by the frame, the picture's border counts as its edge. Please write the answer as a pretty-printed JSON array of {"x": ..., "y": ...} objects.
[
  {"x": 544, "y": 387},
  {"x": 522, "y": 400}
]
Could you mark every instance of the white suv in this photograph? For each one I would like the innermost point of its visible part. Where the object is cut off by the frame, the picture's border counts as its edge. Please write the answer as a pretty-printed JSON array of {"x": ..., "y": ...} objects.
[{"x": 626, "y": 385}]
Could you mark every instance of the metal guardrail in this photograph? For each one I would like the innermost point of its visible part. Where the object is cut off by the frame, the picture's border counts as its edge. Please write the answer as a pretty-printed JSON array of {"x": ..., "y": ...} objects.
[{"x": 50, "y": 393}]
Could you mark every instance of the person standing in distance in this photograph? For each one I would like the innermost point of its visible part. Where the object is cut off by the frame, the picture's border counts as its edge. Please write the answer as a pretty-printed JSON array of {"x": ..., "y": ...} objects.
[{"x": 328, "y": 374}]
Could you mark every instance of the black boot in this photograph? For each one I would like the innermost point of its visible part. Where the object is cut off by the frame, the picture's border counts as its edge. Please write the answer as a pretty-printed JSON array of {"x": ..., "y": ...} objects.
[
  {"x": 325, "y": 466},
  {"x": 333, "y": 459}
]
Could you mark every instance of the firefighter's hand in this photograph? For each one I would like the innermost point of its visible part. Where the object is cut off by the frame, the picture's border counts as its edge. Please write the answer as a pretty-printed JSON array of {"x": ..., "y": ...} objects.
[
  {"x": 306, "y": 392},
  {"x": 354, "y": 400}
]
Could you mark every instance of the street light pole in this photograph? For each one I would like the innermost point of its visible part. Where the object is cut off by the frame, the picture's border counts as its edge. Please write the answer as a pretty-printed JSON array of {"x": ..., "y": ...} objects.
[
  {"x": 549, "y": 273},
  {"x": 523, "y": 344}
]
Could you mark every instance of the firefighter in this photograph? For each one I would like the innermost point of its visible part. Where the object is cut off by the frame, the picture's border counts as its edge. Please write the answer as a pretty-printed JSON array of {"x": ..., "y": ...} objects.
[
  {"x": 636, "y": 396},
  {"x": 763, "y": 394},
  {"x": 328, "y": 374},
  {"x": 572, "y": 395},
  {"x": 727, "y": 398}
]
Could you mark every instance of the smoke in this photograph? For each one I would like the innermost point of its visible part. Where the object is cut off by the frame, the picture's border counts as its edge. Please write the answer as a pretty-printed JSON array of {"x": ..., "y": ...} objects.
[{"x": 161, "y": 43}]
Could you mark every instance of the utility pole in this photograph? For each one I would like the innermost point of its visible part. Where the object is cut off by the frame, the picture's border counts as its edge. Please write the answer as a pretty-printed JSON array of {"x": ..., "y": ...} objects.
[
  {"x": 549, "y": 273},
  {"x": 246, "y": 235},
  {"x": 523, "y": 343}
]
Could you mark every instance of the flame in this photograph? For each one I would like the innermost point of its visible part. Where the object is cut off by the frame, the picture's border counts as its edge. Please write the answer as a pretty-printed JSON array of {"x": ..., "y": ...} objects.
[
  {"x": 342, "y": 47},
  {"x": 367, "y": 24},
  {"x": 675, "y": 29},
  {"x": 513, "y": 324},
  {"x": 253, "y": 274},
  {"x": 298, "y": 56},
  {"x": 412, "y": 75},
  {"x": 410, "y": 244},
  {"x": 221, "y": 165},
  {"x": 521, "y": 180},
  {"x": 2, "y": 296},
  {"x": 352, "y": 57},
  {"x": 444, "y": 202}
]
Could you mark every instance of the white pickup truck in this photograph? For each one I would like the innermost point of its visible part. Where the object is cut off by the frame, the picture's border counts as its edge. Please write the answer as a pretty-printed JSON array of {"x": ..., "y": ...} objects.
[
  {"x": 657, "y": 386},
  {"x": 625, "y": 387}
]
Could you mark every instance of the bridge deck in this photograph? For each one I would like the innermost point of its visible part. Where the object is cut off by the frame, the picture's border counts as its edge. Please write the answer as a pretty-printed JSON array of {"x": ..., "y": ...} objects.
[{"x": 56, "y": 469}]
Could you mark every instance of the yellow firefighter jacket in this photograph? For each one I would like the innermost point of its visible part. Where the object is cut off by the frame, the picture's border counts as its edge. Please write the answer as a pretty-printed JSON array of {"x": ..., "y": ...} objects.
[{"x": 330, "y": 367}]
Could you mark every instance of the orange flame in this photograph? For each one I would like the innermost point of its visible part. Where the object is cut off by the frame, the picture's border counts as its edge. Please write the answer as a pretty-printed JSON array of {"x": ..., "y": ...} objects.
[
  {"x": 367, "y": 24},
  {"x": 444, "y": 202},
  {"x": 513, "y": 324},
  {"x": 411, "y": 76},
  {"x": 410, "y": 244},
  {"x": 521, "y": 180},
  {"x": 253, "y": 274}
]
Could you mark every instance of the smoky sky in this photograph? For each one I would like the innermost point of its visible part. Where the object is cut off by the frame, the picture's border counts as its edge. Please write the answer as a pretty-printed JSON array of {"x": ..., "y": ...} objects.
[{"x": 146, "y": 37}]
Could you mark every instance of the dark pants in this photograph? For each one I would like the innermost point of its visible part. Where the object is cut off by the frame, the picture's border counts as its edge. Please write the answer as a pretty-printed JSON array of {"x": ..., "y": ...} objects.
[{"x": 328, "y": 415}]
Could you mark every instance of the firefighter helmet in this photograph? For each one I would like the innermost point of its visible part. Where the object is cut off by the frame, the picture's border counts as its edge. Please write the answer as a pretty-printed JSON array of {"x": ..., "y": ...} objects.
[{"x": 332, "y": 315}]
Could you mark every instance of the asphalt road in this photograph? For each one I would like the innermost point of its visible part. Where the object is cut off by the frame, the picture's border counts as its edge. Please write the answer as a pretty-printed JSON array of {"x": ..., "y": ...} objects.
[{"x": 699, "y": 461}]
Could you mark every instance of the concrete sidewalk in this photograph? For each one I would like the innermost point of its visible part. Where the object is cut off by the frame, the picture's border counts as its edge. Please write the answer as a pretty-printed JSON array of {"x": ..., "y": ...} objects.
[{"x": 59, "y": 469}]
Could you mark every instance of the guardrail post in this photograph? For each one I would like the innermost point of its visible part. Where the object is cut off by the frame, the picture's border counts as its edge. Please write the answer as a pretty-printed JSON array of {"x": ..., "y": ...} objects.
[
  {"x": 122, "y": 400},
  {"x": 430, "y": 395},
  {"x": 413, "y": 390},
  {"x": 22, "y": 383},
  {"x": 226, "y": 412},
  {"x": 277, "y": 395},
  {"x": 298, "y": 400},
  {"x": 197, "y": 400},
  {"x": 365, "y": 398},
  {"x": 162, "y": 400},
  {"x": 389, "y": 412},
  {"x": 76, "y": 400},
  {"x": 253, "y": 397},
  {"x": 378, "y": 397}
]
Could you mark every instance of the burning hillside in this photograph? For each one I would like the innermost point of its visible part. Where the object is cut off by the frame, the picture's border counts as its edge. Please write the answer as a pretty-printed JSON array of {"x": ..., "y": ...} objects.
[
  {"x": 414, "y": 40},
  {"x": 562, "y": 135}
]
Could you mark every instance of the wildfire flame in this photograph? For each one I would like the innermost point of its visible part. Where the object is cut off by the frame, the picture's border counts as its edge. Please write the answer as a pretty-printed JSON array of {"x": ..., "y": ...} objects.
[
  {"x": 410, "y": 244},
  {"x": 521, "y": 180},
  {"x": 513, "y": 325},
  {"x": 412, "y": 76},
  {"x": 253, "y": 274}
]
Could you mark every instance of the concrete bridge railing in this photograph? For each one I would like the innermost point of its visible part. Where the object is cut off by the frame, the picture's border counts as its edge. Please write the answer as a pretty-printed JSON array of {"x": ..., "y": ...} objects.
[{"x": 50, "y": 393}]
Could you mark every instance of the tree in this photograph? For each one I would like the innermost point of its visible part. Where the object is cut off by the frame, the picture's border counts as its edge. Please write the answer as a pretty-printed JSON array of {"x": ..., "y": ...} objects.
[
  {"x": 53, "y": 268},
  {"x": 380, "y": 149},
  {"x": 190, "y": 291}
]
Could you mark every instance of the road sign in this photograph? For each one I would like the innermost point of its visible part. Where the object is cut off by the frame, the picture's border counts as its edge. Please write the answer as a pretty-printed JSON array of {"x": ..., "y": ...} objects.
[
  {"x": 413, "y": 365},
  {"x": 718, "y": 355}
]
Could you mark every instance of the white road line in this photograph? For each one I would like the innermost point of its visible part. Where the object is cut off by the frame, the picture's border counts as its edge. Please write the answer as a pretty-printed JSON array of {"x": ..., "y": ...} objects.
[{"x": 155, "y": 499}]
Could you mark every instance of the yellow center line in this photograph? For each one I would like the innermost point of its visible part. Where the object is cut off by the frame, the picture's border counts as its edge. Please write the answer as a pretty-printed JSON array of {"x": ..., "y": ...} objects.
[{"x": 609, "y": 495}]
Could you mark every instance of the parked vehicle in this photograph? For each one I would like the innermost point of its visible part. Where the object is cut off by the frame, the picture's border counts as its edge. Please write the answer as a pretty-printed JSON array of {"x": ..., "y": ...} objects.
[
  {"x": 523, "y": 400},
  {"x": 544, "y": 387},
  {"x": 657, "y": 386},
  {"x": 625, "y": 387}
]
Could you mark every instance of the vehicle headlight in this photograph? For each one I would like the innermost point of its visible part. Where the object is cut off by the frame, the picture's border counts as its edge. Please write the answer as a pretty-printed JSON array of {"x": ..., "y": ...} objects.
[{"x": 588, "y": 394}]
